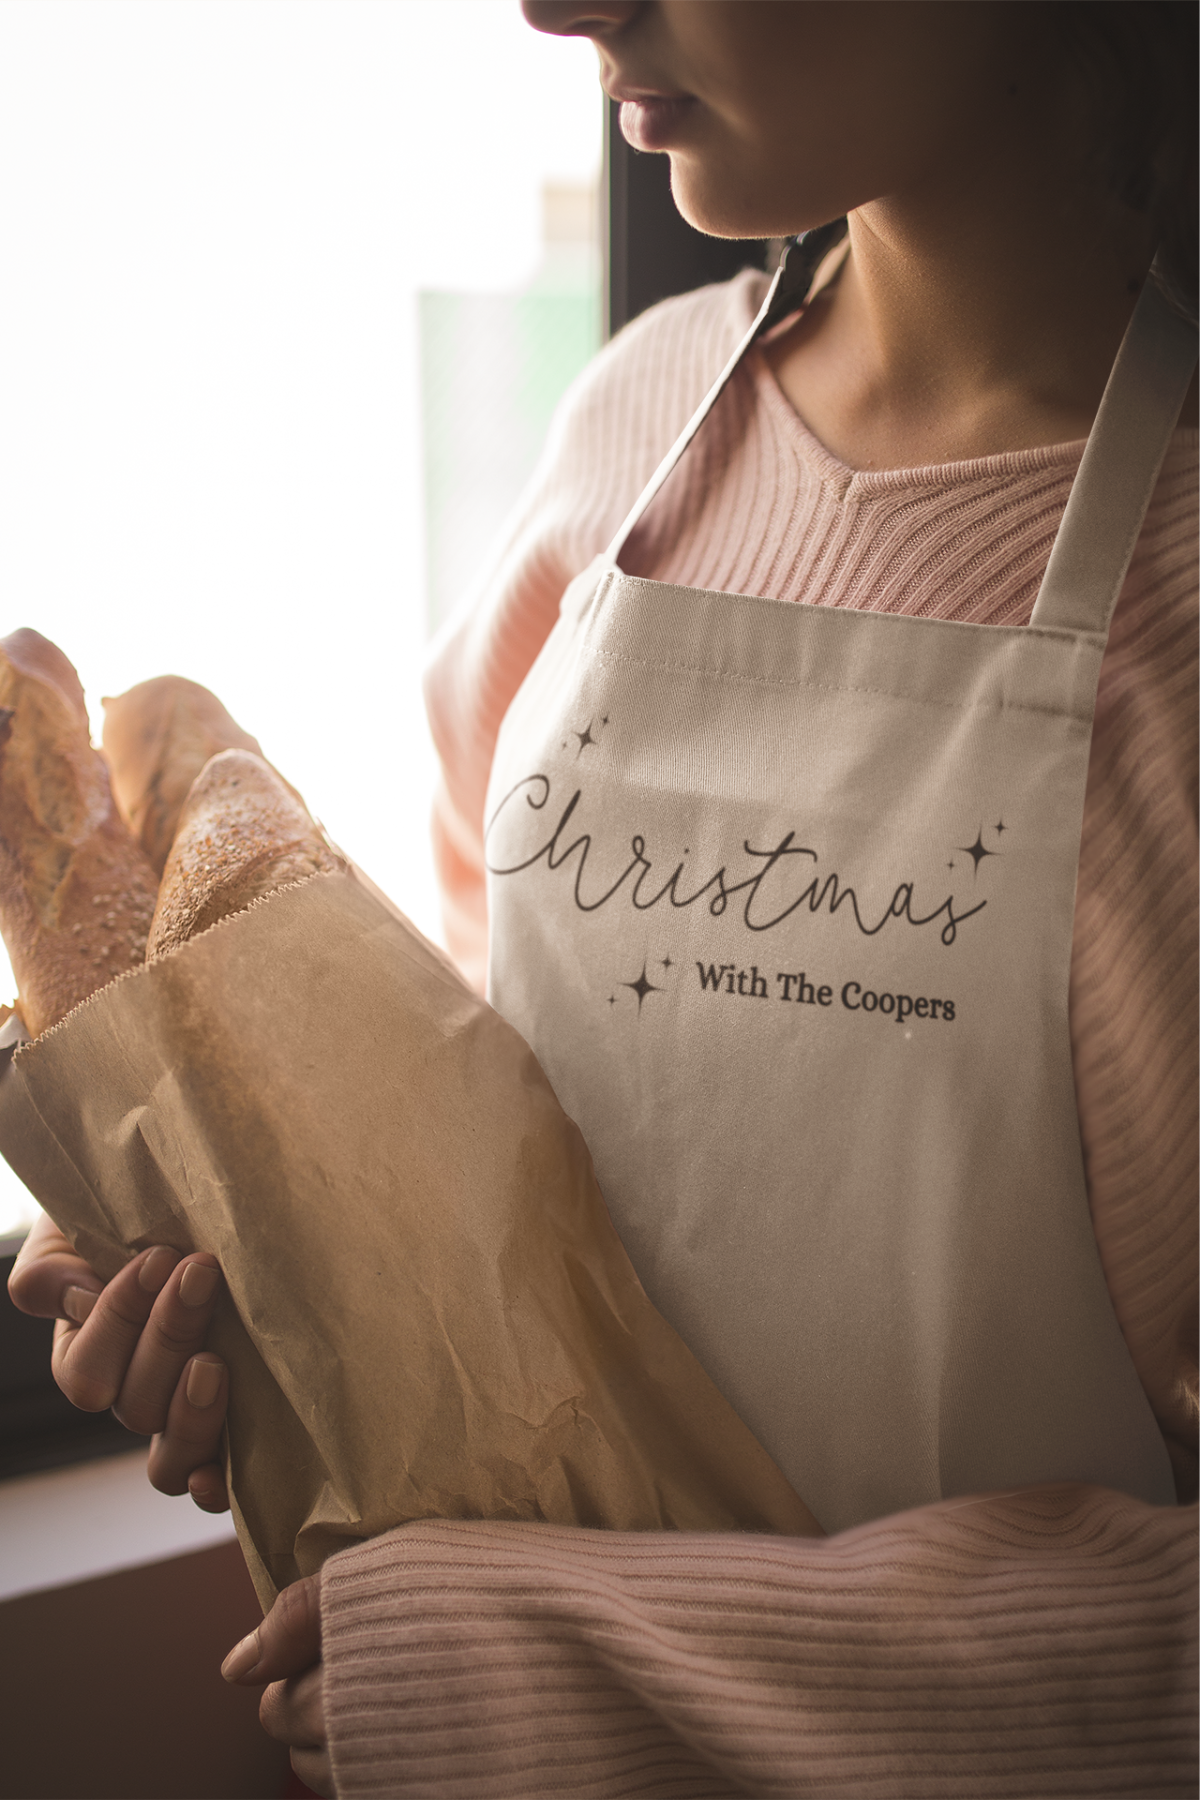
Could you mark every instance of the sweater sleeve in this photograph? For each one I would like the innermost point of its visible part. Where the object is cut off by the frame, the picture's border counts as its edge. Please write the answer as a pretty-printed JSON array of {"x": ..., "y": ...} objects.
[{"x": 1039, "y": 1644}]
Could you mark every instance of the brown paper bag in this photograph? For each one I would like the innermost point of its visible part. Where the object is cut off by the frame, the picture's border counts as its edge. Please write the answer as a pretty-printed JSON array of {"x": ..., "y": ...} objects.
[{"x": 430, "y": 1314}]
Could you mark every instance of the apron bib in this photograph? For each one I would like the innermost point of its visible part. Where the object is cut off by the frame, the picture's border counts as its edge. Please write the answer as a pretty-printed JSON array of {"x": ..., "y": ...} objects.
[{"x": 782, "y": 897}]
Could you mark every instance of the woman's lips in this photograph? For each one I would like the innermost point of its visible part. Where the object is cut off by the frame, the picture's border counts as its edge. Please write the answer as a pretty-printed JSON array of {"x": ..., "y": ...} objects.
[{"x": 653, "y": 122}]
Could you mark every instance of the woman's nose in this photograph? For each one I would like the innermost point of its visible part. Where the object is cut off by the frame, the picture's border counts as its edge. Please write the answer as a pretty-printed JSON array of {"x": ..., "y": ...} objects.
[{"x": 580, "y": 18}]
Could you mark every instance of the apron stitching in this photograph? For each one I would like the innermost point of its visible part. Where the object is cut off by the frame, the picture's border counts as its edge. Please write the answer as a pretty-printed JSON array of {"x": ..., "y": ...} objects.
[
  {"x": 768, "y": 600},
  {"x": 828, "y": 687},
  {"x": 1043, "y": 633}
]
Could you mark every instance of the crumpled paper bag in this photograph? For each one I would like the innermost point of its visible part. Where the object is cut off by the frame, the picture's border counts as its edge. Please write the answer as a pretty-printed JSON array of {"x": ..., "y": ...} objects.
[{"x": 430, "y": 1314}]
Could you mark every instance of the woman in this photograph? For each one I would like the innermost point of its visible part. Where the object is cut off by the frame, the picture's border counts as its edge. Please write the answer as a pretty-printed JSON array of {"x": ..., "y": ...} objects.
[{"x": 901, "y": 446}]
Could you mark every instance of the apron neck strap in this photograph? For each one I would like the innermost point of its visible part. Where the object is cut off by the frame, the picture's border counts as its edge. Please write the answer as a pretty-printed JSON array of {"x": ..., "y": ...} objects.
[
  {"x": 1117, "y": 474},
  {"x": 786, "y": 294},
  {"x": 1120, "y": 465}
]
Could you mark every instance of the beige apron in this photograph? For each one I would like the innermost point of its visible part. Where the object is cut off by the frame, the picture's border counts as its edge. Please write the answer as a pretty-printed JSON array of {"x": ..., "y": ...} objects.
[{"x": 782, "y": 897}]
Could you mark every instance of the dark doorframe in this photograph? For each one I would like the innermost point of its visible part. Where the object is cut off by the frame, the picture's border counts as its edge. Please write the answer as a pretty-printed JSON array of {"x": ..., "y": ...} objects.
[{"x": 649, "y": 250}]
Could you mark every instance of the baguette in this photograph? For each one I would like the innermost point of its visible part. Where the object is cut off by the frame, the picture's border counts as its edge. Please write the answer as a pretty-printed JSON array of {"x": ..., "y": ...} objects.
[
  {"x": 157, "y": 738},
  {"x": 242, "y": 834},
  {"x": 77, "y": 893}
]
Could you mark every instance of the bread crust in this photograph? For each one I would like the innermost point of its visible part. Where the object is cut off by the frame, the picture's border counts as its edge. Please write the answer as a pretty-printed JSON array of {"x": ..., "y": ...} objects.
[
  {"x": 242, "y": 834},
  {"x": 76, "y": 892},
  {"x": 157, "y": 738}
]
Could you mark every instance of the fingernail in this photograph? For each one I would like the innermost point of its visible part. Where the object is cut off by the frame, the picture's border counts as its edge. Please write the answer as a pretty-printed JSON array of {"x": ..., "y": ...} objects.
[
  {"x": 204, "y": 1381},
  {"x": 78, "y": 1302},
  {"x": 241, "y": 1658},
  {"x": 198, "y": 1283},
  {"x": 158, "y": 1265}
]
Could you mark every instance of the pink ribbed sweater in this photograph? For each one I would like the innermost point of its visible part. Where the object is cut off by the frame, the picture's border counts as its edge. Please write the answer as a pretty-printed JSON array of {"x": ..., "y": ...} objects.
[{"x": 1031, "y": 1644}]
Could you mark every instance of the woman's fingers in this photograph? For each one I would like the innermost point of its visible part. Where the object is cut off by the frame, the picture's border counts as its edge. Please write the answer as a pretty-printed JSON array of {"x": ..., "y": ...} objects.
[
  {"x": 286, "y": 1651},
  {"x": 207, "y": 1488},
  {"x": 91, "y": 1359},
  {"x": 48, "y": 1279},
  {"x": 293, "y": 1712},
  {"x": 182, "y": 1456},
  {"x": 133, "y": 1346},
  {"x": 174, "y": 1332},
  {"x": 137, "y": 1337},
  {"x": 286, "y": 1643}
]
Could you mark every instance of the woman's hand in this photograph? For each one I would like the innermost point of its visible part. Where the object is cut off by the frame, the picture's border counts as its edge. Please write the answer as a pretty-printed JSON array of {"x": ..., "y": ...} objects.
[
  {"x": 136, "y": 1345},
  {"x": 286, "y": 1651}
]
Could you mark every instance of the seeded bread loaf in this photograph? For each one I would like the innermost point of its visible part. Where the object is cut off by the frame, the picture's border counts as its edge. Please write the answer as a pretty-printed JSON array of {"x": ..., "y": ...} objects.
[
  {"x": 242, "y": 834},
  {"x": 77, "y": 892}
]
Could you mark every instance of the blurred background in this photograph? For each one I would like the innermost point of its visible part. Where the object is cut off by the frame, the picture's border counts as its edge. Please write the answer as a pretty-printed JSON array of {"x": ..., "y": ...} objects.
[{"x": 291, "y": 290}]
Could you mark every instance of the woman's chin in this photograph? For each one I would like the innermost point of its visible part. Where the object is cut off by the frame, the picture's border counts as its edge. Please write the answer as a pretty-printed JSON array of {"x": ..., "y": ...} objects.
[{"x": 719, "y": 206}]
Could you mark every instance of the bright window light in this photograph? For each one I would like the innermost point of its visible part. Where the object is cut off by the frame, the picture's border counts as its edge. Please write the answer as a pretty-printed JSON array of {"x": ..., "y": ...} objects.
[{"x": 218, "y": 219}]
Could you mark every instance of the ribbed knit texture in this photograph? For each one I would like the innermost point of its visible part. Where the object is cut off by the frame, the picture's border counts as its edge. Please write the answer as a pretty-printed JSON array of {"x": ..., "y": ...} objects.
[
  {"x": 1035, "y": 1645},
  {"x": 1028, "y": 1645}
]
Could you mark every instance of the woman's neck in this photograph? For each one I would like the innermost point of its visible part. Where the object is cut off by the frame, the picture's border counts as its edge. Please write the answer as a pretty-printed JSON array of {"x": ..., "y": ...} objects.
[{"x": 977, "y": 319}]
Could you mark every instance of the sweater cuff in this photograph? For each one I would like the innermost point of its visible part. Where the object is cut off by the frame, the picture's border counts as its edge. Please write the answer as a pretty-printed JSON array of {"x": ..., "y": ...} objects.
[{"x": 454, "y": 1671}]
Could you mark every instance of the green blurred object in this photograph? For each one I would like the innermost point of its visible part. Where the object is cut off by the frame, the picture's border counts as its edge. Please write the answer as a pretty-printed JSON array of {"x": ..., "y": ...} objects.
[{"x": 493, "y": 369}]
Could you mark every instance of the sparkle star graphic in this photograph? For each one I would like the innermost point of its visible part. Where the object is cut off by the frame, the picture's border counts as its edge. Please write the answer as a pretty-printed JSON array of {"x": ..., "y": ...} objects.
[
  {"x": 1000, "y": 826},
  {"x": 976, "y": 850},
  {"x": 585, "y": 738},
  {"x": 667, "y": 963},
  {"x": 641, "y": 987}
]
